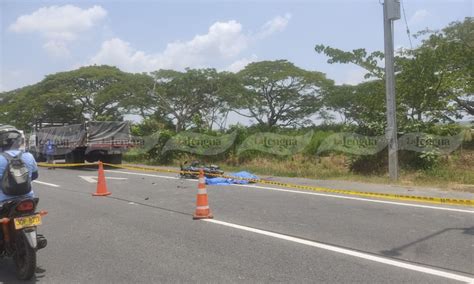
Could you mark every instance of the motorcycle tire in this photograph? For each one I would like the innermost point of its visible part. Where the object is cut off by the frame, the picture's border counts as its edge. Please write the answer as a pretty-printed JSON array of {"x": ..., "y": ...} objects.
[{"x": 24, "y": 258}]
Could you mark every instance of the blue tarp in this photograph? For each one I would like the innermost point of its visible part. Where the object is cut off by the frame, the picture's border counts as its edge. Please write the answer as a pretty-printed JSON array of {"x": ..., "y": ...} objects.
[{"x": 227, "y": 181}]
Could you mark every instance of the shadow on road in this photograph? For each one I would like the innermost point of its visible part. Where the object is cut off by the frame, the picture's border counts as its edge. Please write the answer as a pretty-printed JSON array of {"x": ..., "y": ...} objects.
[
  {"x": 398, "y": 250},
  {"x": 8, "y": 276}
]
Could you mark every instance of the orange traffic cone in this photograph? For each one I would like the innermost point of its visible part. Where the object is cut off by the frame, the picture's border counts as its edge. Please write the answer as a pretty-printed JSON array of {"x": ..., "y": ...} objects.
[
  {"x": 101, "y": 185},
  {"x": 202, "y": 205}
]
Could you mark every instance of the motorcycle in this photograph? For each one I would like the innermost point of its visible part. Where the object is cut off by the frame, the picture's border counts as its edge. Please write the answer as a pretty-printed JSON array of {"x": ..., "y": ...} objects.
[
  {"x": 18, "y": 236},
  {"x": 192, "y": 170}
]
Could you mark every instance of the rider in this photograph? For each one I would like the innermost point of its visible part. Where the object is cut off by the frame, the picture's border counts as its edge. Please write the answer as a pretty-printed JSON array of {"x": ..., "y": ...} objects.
[{"x": 10, "y": 140}]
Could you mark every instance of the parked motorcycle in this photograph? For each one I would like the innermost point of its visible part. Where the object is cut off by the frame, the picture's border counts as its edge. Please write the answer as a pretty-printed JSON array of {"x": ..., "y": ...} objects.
[{"x": 18, "y": 236}]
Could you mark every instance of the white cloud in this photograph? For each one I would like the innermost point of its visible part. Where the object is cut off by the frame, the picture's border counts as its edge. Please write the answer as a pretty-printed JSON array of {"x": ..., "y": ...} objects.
[
  {"x": 354, "y": 76},
  {"x": 59, "y": 25},
  {"x": 276, "y": 24},
  {"x": 418, "y": 17},
  {"x": 119, "y": 53},
  {"x": 56, "y": 48},
  {"x": 240, "y": 64},
  {"x": 223, "y": 41}
]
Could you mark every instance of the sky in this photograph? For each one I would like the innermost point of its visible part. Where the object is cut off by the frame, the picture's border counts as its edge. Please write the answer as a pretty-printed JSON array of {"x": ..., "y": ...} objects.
[{"x": 44, "y": 37}]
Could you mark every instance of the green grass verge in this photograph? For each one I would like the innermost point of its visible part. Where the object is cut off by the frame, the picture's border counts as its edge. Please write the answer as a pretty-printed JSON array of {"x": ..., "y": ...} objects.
[{"x": 454, "y": 172}]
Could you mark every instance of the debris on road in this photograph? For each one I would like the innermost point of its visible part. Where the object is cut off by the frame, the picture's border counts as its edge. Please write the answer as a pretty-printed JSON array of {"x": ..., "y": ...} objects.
[{"x": 192, "y": 170}]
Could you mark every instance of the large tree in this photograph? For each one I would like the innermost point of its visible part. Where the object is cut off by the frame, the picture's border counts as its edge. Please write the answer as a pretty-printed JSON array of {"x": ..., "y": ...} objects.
[
  {"x": 26, "y": 106},
  {"x": 454, "y": 48},
  {"x": 139, "y": 95},
  {"x": 362, "y": 105},
  {"x": 88, "y": 93},
  {"x": 98, "y": 90},
  {"x": 277, "y": 93},
  {"x": 186, "y": 97},
  {"x": 433, "y": 80}
]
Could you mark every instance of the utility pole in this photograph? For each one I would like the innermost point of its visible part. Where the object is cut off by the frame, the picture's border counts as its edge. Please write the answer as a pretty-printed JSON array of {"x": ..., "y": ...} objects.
[{"x": 391, "y": 12}]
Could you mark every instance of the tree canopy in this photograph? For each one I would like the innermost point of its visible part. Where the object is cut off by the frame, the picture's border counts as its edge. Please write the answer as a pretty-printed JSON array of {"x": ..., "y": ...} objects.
[
  {"x": 279, "y": 93},
  {"x": 433, "y": 80},
  {"x": 433, "y": 84}
]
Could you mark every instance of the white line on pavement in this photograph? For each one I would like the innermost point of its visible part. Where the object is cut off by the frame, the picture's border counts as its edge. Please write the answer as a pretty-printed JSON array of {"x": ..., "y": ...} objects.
[
  {"x": 358, "y": 198},
  {"x": 45, "y": 183},
  {"x": 93, "y": 179},
  {"x": 348, "y": 252},
  {"x": 315, "y": 193},
  {"x": 139, "y": 174}
]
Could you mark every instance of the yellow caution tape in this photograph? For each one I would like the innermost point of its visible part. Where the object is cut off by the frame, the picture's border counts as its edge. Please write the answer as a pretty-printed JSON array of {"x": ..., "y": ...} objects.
[
  {"x": 424, "y": 199},
  {"x": 66, "y": 165}
]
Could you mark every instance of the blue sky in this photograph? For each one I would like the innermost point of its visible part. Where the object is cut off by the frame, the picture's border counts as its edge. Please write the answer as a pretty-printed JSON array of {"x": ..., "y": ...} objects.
[{"x": 44, "y": 37}]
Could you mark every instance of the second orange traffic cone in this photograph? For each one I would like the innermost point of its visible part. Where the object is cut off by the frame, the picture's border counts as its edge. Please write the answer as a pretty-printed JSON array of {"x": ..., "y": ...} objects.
[
  {"x": 101, "y": 184},
  {"x": 202, "y": 204}
]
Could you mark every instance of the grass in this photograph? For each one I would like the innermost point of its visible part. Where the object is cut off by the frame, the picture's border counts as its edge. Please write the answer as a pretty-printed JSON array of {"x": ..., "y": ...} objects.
[{"x": 455, "y": 172}]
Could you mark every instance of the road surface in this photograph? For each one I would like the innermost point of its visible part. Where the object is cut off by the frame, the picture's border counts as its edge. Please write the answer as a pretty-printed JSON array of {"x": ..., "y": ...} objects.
[{"x": 144, "y": 233}]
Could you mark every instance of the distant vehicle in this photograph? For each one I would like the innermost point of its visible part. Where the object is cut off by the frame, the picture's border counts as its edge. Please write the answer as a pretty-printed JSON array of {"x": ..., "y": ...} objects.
[
  {"x": 91, "y": 141},
  {"x": 23, "y": 141}
]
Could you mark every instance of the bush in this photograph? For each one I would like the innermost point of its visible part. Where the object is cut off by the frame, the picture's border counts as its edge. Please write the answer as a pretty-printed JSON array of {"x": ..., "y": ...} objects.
[
  {"x": 155, "y": 154},
  {"x": 135, "y": 156},
  {"x": 316, "y": 140},
  {"x": 369, "y": 164}
]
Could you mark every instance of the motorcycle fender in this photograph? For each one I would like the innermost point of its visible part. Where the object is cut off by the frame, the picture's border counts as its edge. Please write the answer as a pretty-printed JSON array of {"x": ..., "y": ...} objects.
[{"x": 30, "y": 235}]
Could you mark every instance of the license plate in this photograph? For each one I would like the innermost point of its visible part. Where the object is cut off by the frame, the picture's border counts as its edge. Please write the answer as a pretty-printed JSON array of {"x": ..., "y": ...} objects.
[{"x": 28, "y": 221}]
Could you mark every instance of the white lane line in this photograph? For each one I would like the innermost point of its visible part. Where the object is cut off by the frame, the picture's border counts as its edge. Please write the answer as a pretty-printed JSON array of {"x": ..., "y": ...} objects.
[
  {"x": 93, "y": 179},
  {"x": 318, "y": 194},
  {"x": 45, "y": 183},
  {"x": 357, "y": 198},
  {"x": 348, "y": 252},
  {"x": 139, "y": 174}
]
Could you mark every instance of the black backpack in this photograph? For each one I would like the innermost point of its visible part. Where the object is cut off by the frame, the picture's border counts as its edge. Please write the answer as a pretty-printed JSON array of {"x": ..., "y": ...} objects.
[{"x": 16, "y": 178}]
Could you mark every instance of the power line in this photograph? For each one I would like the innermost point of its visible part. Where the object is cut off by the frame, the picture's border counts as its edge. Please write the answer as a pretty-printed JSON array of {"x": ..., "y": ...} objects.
[{"x": 406, "y": 24}]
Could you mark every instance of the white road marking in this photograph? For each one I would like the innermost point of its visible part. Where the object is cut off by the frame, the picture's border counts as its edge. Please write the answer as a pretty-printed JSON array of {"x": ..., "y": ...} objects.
[
  {"x": 139, "y": 174},
  {"x": 45, "y": 183},
  {"x": 93, "y": 179},
  {"x": 88, "y": 179},
  {"x": 357, "y": 198},
  {"x": 315, "y": 193},
  {"x": 348, "y": 252}
]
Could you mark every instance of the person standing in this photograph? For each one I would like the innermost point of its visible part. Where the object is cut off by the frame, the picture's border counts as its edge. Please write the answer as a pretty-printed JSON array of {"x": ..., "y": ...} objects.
[{"x": 49, "y": 151}]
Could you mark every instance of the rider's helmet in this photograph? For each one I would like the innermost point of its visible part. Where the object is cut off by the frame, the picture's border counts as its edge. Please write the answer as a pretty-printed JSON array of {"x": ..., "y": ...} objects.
[{"x": 10, "y": 137}]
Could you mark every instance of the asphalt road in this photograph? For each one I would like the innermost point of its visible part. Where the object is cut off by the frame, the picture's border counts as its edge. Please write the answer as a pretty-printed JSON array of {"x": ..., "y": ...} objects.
[{"x": 144, "y": 233}]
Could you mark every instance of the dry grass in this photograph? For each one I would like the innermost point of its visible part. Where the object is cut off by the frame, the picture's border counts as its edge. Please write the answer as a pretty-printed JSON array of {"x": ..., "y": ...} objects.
[{"x": 455, "y": 173}]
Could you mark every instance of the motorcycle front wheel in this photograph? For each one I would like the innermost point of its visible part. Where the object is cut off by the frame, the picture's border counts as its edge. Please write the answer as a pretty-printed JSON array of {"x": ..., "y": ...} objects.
[{"x": 24, "y": 257}]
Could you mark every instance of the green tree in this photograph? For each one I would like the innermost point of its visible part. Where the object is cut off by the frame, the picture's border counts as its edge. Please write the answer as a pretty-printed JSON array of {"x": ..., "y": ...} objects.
[
  {"x": 26, "y": 106},
  {"x": 279, "y": 93},
  {"x": 139, "y": 95},
  {"x": 362, "y": 105},
  {"x": 88, "y": 93},
  {"x": 360, "y": 57},
  {"x": 186, "y": 97},
  {"x": 433, "y": 81},
  {"x": 98, "y": 90},
  {"x": 453, "y": 47}
]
